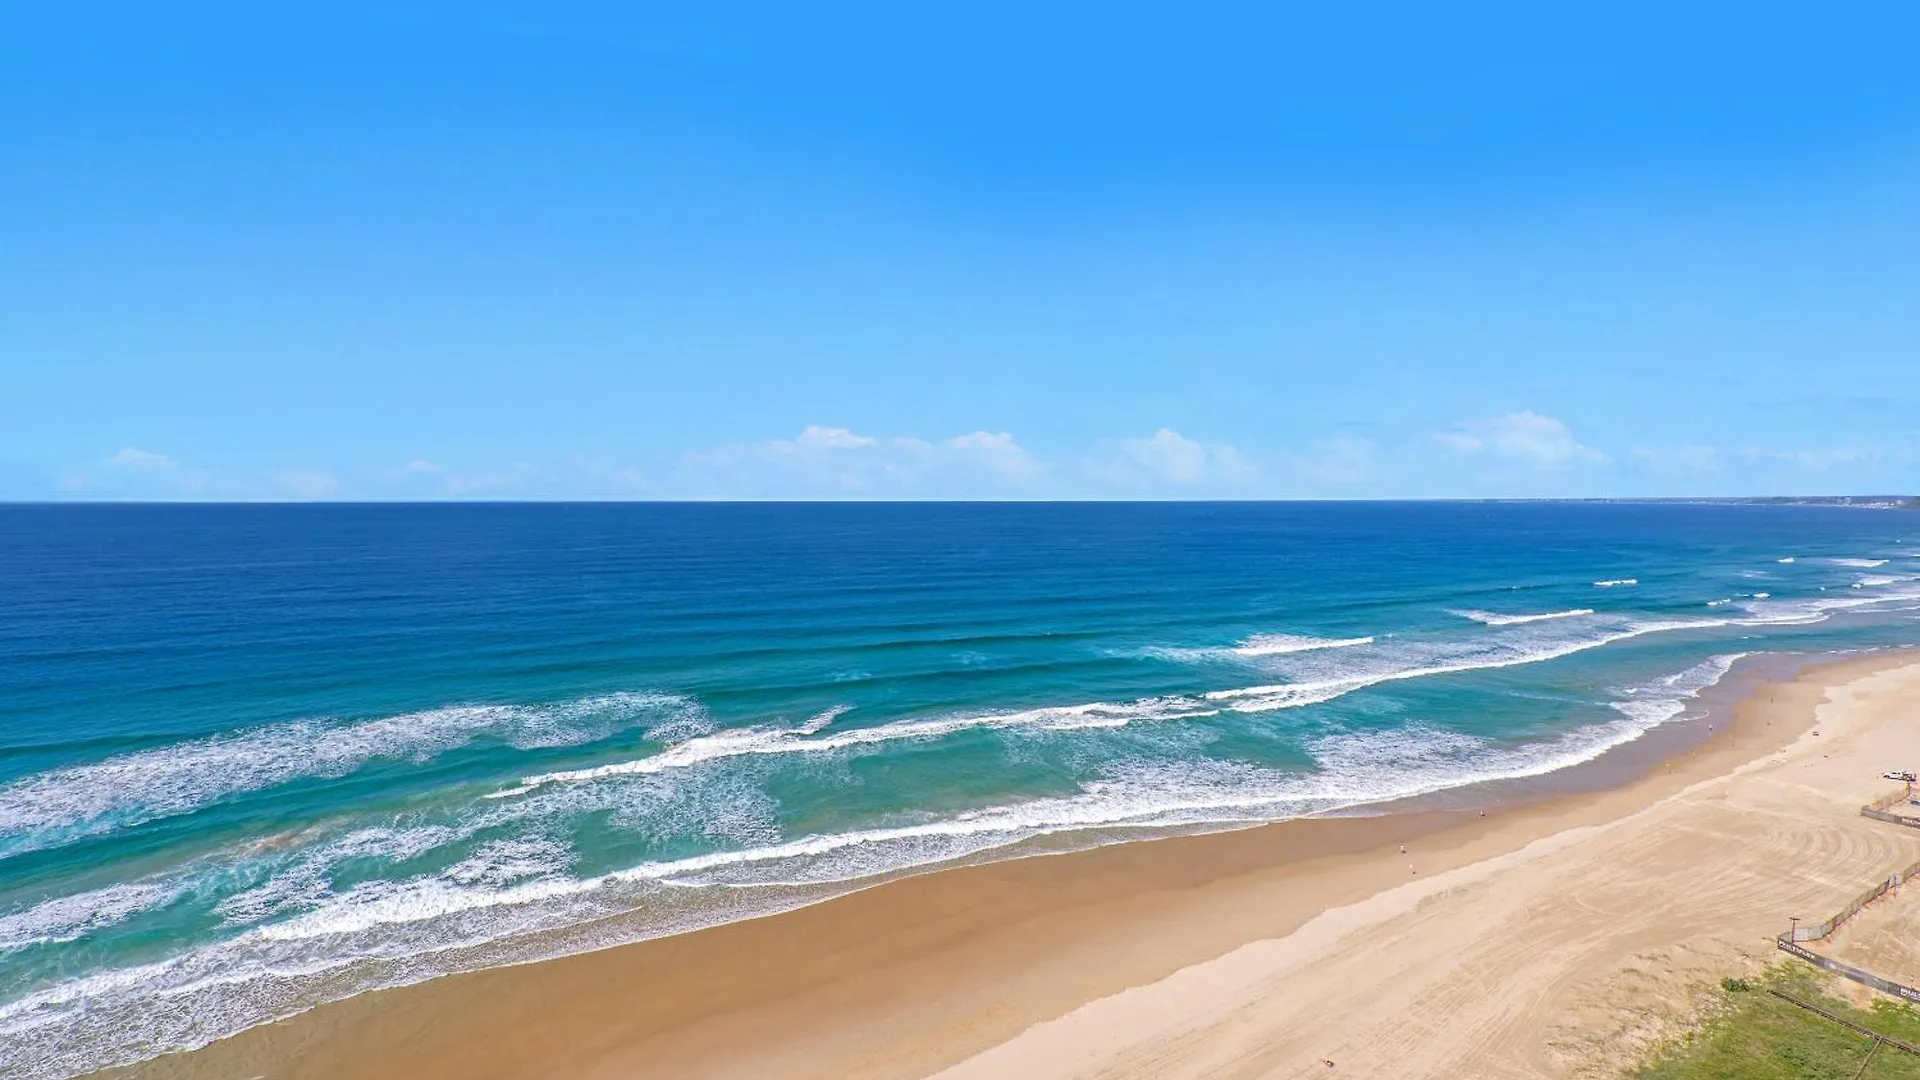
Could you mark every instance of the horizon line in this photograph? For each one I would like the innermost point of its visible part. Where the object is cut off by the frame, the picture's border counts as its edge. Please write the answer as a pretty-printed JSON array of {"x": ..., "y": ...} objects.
[{"x": 1861, "y": 501}]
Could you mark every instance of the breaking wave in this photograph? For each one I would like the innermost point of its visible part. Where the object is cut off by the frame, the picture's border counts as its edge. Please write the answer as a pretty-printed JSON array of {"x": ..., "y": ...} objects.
[
  {"x": 739, "y": 742},
  {"x": 61, "y": 805},
  {"x": 69, "y": 918},
  {"x": 1282, "y": 644},
  {"x": 513, "y": 900},
  {"x": 1494, "y": 618}
]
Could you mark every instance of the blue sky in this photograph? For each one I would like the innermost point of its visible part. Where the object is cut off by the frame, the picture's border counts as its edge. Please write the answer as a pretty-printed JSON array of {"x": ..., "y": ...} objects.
[{"x": 981, "y": 251}]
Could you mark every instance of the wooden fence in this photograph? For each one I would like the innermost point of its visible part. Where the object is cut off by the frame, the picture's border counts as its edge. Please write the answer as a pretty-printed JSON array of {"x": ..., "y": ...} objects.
[
  {"x": 1877, "y": 809},
  {"x": 1790, "y": 941}
]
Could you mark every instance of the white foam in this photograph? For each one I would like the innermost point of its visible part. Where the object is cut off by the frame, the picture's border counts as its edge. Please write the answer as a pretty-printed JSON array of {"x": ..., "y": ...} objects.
[
  {"x": 1872, "y": 581},
  {"x": 1254, "y": 647},
  {"x": 1665, "y": 699},
  {"x": 69, "y": 918},
  {"x": 1282, "y": 644},
  {"x": 1494, "y": 618},
  {"x": 1616, "y": 582},
  {"x": 1859, "y": 564},
  {"x": 51, "y": 808},
  {"x": 480, "y": 909},
  {"x": 1501, "y": 655},
  {"x": 305, "y": 883},
  {"x": 1788, "y": 559},
  {"x": 1354, "y": 770},
  {"x": 736, "y": 742},
  {"x": 824, "y": 717},
  {"x": 510, "y": 901},
  {"x": 303, "y": 887},
  {"x": 1765, "y": 612}
]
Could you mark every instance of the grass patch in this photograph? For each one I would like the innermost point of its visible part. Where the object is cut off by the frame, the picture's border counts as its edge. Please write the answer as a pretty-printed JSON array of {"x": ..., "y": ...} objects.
[{"x": 1753, "y": 1035}]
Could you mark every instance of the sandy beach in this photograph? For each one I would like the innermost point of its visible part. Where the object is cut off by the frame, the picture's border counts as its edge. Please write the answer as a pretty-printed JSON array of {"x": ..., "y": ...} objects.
[{"x": 1553, "y": 937}]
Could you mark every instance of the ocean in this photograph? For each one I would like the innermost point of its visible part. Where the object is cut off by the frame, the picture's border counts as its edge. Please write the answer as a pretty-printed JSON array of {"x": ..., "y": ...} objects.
[{"x": 255, "y": 758}]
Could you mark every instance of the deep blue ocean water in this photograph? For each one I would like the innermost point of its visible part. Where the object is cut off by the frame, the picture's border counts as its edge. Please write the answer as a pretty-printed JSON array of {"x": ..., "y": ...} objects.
[{"x": 257, "y": 757}]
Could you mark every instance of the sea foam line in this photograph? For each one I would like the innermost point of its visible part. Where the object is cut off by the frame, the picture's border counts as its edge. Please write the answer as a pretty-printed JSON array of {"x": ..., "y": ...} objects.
[
  {"x": 757, "y": 741},
  {"x": 69, "y": 918},
  {"x": 1494, "y": 618},
  {"x": 409, "y": 931},
  {"x": 1765, "y": 612},
  {"x": 55, "y": 807},
  {"x": 60, "y": 805},
  {"x": 1354, "y": 770},
  {"x": 1294, "y": 695},
  {"x": 737, "y": 742},
  {"x": 1282, "y": 644}
]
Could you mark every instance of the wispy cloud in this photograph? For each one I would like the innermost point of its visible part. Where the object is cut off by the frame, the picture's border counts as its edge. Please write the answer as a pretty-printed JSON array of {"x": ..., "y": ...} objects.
[
  {"x": 136, "y": 473},
  {"x": 837, "y": 462},
  {"x": 1539, "y": 442},
  {"x": 1516, "y": 455},
  {"x": 132, "y": 457},
  {"x": 816, "y": 437},
  {"x": 1172, "y": 460},
  {"x": 997, "y": 451}
]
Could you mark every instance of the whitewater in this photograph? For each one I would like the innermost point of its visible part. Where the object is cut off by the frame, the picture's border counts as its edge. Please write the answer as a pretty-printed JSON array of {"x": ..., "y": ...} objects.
[{"x": 270, "y": 757}]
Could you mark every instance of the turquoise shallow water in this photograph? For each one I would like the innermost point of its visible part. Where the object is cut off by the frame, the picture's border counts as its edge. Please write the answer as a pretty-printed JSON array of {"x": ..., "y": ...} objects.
[{"x": 253, "y": 758}]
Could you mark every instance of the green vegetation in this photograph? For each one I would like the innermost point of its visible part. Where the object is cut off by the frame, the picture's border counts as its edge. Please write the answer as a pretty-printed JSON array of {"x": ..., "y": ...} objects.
[{"x": 1753, "y": 1035}]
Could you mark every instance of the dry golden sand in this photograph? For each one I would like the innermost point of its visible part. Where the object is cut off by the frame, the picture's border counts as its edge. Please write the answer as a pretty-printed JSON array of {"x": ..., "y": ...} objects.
[
  {"x": 1884, "y": 937},
  {"x": 1548, "y": 941}
]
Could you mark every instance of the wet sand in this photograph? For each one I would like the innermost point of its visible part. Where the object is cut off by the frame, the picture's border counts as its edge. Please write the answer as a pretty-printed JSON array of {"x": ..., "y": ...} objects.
[{"x": 1549, "y": 936}]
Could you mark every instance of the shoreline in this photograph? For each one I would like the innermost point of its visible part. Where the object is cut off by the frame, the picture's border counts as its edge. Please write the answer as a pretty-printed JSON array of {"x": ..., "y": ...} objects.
[{"x": 926, "y": 971}]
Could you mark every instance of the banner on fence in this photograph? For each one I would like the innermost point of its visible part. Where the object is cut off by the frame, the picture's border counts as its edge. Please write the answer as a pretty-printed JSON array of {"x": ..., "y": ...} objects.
[{"x": 1865, "y": 978}]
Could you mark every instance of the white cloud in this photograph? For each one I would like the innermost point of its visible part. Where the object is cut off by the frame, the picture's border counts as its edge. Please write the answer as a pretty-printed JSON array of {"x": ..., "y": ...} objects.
[
  {"x": 816, "y": 437},
  {"x": 1541, "y": 442},
  {"x": 1520, "y": 454},
  {"x": 997, "y": 451},
  {"x": 1168, "y": 457},
  {"x": 825, "y": 461},
  {"x": 134, "y": 473},
  {"x": 132, "y": 457}
]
